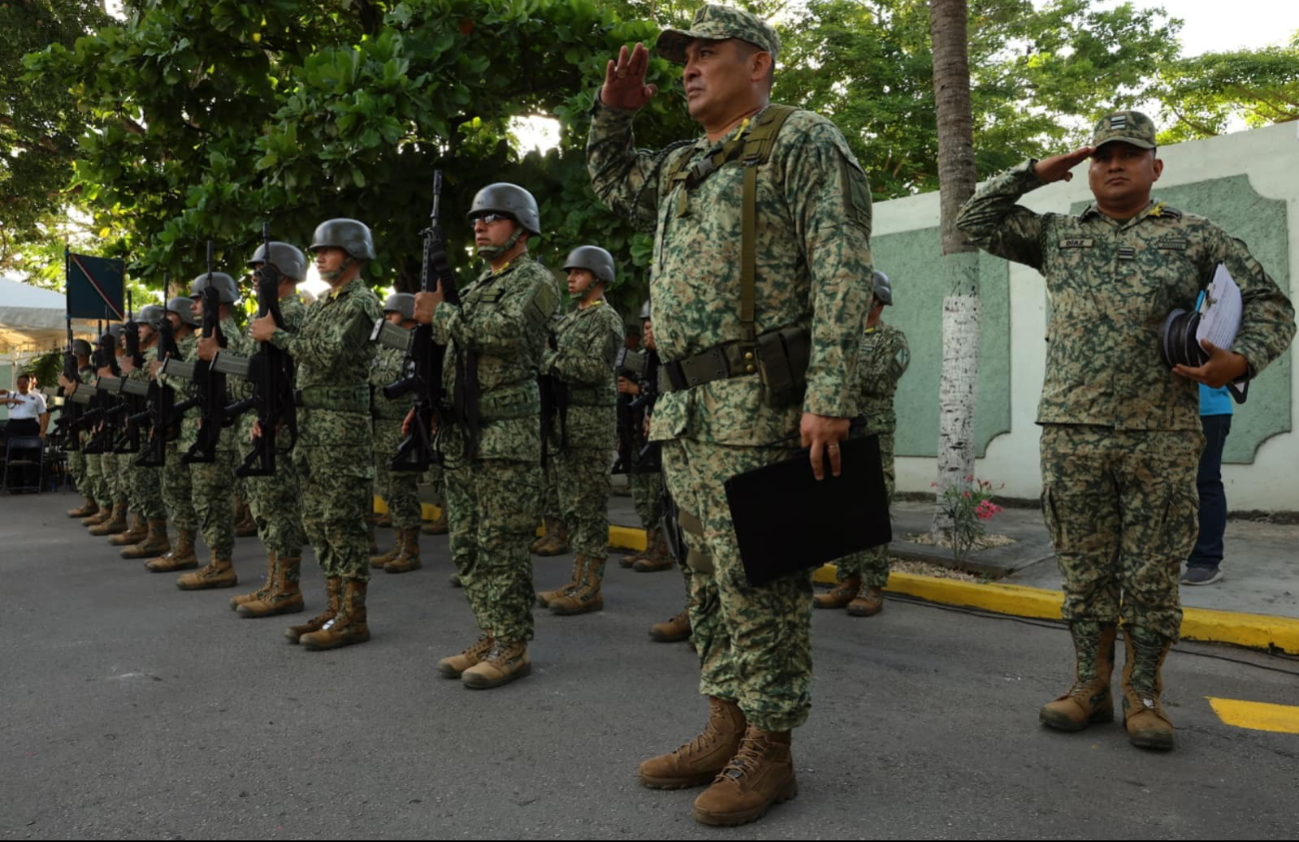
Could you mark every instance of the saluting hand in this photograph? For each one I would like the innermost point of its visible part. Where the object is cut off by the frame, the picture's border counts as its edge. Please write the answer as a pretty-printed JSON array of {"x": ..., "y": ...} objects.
[
  {"x": 1222, "y": 367},
  {"x": 1059, "y": 167},
  {"x": 624, "y": 80}
]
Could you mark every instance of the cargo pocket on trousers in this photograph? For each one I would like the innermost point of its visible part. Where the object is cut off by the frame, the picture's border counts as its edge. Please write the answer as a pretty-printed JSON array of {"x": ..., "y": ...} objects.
[{"x": 1181, "y": 525}]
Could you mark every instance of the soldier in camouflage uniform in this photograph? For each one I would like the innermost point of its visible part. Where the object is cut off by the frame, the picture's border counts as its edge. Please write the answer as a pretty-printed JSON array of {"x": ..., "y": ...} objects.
[
  {"x": 646, "y": 486},
  {"x": 883, "y": 360},
  {"x": 792, "y": 281},
  {"x": 554, "y": 539},
  {"x": 275, "y": 502},
  {"x": 494, "y": 476},
  {"x": 177, "y": 488},
  {"x": 148, "y": 537},
  {"x": 96, "y": 484},
  {"x": 399, "y": 489},
  {"x": 583, "y": 349},
  {"x": 334, "y": 454},
  {"x": 77, "y": 459},
  {"x": 1121, "y": 433},
  {"x": 112, "y": 482},
  {"x": 435, "y": 478}
]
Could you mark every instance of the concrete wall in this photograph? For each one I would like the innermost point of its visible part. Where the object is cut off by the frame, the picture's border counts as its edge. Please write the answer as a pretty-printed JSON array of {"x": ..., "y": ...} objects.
[{"x": 1246, "y": 182}]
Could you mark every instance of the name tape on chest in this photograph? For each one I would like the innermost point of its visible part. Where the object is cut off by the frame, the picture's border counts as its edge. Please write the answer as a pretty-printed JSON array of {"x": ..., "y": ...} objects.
[{"x": 1077, "y": 243}]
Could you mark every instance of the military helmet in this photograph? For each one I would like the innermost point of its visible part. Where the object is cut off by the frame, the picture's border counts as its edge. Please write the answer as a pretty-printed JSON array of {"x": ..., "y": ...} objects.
[
  {"x": 400, "y": 302},
  {"x": 180, "y": 306},
  {"x": 223, "y": 283},
  {"x": 80, "y": 348},
  {"x": 347, "y": 234},
  {"x": 509, "y": 199},
  {"x": 151, "y": 315},
  {"x": 114, "y": 331},
  {"x": 595, "y": 260},
  {"x": 645, "y": 310},
  {"x": 288, "y": 259},
  {"x": 883, "y": 288}
]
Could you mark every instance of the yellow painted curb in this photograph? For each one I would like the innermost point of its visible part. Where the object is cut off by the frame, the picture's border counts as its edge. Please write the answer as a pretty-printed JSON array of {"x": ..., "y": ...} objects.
[{"x": 1256, "y": 716}]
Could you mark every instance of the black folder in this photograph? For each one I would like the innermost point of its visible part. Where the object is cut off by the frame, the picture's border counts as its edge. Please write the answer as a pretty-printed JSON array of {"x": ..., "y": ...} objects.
[{"x": 786, "y": 521}]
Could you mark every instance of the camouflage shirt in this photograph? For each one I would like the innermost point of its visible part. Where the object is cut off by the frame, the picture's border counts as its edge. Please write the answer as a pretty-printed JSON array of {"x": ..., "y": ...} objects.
[
  {"x": 1111, "y": 284},
  {"x": 586, "y": 348},
  {"x": 292, "y": 311},
  {"x": 502, "y": 321},
  {"x": 333, "y": 354},
  {"x": 883, "y": 361},
  {"x": 389, "y": 366},
  {"x": 813, "y": 252}
]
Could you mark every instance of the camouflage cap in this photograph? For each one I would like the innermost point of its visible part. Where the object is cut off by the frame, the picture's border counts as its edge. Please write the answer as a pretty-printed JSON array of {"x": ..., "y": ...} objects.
[
  {"x": 1127, "y": 126},
  {"x": 717, "y": 23}
]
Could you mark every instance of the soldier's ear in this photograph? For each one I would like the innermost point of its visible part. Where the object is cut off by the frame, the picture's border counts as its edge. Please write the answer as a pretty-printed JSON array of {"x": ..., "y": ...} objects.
[{"x": 1159, "y": 165}]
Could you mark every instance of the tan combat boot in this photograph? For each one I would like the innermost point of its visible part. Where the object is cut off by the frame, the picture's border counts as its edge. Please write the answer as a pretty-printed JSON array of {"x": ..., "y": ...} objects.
[
  {"x": 670, "y": 631},
  {"x": 656, "y": 556},
  {"x": 843, "y": 593},
  {"x": 132, "y": 536},
  {"x": 348, "y": 626},
  {"x": 503, "y": 663},
  {"x": 155, "y": 542},
  {"x": 1143, "y": 714},
  {"x": 408, "y": 559},
  {"x": 547, "y": 528},
  {"x": 179, "y": 557},
  {"x": 555, "y": 541},
  {"x": 383, "y": 558},
  {"x": 585, "y": 598},
  {"x": 334, "y": 593},
  {"x": 869, "y": 602},
  {"x": 700, "y": 760},
  {"x": 1088, "y": 700},
  {"x": 217, "y": 573},
  {"x": 268, "y": 586},
  {"x": 437, "y": 526},
  {"x": 761, "y": 774},
  {"x": 455, "y": 666},
  {"x": 88, "y": 508},
  {"x": 544, "y": 598},
  {"x": 245, "y": 524},
  {"x": 384, "y": 521},
  {"x": 284, "y": 598},
  {"x": 102, "y": 515},
  {"x": 115, "y": 525}
]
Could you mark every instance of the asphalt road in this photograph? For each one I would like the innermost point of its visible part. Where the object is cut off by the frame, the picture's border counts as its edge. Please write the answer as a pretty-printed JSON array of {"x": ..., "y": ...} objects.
[{"x": 131, "y": 709}]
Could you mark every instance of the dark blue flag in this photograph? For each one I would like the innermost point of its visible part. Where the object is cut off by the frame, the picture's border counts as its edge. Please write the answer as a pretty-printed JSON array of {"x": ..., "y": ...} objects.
[{"x": 95, "y": 287}]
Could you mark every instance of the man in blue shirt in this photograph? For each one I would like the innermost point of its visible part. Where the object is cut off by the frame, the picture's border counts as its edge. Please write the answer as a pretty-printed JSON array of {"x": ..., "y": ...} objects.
[{"x": 1215, "y": 417}]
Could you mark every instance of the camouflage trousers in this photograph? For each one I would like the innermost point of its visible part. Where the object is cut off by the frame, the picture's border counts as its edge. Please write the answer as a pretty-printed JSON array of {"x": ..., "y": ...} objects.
[
  {"x": 146, "y": 490},
  {"x": 335, "y": 501},
  {"x": 584, "y": 485},
  {"x": 399, "y": 489},
  {"x": 116, "y": 475},
  {"x": 212, "y": 487},
  {"x": 177, "y": 490},
  {"x": 492, "y": 508},
  {"x": 276, "y": 503},
  {"x": 77, "y": 470},
  {"x": 754, "y": 644},
  {"x": 550, "y": 505},
  {"x": 647, "y": 495},
  {"x": 1122, "y": 510},
  {"x": 873, "y": 565},
  {"x": 96, "y": 487}
]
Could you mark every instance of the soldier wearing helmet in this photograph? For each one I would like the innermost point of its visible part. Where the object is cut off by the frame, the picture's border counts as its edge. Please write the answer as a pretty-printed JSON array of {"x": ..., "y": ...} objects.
[
  {"x": 580, "y": 362},
  {"x": 399, "y": 489},
  {"x": 274, "y": 502},
  {"x": 77, "y": 458},
  {"x": 882, "y": 360},
  {"x": 334, "y": 451},
  {"x": 112, "y": 520},
  {"x": 495, "y": 340}
]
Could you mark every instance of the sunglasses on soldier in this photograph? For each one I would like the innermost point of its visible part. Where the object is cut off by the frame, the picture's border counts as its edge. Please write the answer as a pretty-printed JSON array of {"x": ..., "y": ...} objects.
[{"x": 489, "y": 218}]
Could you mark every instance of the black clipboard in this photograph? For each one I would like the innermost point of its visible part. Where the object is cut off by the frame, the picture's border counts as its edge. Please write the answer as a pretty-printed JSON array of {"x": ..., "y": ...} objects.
[{"x": 786, "y": 521}]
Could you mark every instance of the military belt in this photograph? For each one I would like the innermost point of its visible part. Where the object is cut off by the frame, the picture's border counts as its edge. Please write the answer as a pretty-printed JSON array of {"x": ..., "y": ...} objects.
[
  {"x": 337, "y": 398},
  {"x": 734, "y": 359}
]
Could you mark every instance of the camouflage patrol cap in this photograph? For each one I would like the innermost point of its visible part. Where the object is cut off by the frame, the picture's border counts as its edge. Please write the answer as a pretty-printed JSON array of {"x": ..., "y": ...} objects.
[
  {"x": 718, "y": 23},
  {"x": 1126, "y": 126}
]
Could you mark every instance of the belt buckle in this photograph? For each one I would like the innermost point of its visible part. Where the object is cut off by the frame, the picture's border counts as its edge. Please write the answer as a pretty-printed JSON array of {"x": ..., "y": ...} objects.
[{"x": 705, "y": 367}]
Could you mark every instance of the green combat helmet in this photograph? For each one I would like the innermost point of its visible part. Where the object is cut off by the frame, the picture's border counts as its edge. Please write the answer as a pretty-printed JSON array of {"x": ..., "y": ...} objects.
[
  {"x": 180, "y": 306},
  {"x": 224, "y": 284},
  {"x": 400, "y": 302},
  {"x": 115, "y": 331},
  {"x": 289, "y": 260},
  {"x": 883, "y": 289},
  {"x": 80, "y": 348},
  {"x": 151, "y": 315},
  {"x": 511, "y": 200},
  {"x": 347, "y": 234},
  {"x": 595, "y": 260}
]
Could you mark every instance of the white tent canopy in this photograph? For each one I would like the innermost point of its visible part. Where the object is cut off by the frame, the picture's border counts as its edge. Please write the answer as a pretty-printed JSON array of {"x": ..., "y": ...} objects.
[{"x": 34, "y": 320}]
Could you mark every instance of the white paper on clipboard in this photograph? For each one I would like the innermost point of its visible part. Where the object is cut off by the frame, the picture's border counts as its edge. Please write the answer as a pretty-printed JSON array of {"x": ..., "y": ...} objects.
[{"x": 1221, "y": 311}]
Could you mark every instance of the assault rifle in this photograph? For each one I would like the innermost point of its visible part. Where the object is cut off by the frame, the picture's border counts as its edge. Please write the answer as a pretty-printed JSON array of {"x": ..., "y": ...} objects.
[
  {"x": 210, "y": 384},
  {"x": 68, "y": 418},
  {"x": 631, "y": 365},
  {"x": 106, "y": 388},
  {"x": 133, "y": 391},
  {"x": 164, "y": 412},
  {"x": 270, "y": 370},
  {"x": 648, "y": 458},
  {"x": 425, "y": 358}
]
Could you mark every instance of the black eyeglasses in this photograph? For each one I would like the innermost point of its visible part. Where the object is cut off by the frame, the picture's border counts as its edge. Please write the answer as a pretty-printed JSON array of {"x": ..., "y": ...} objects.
[{"x": 489, "y": 218}]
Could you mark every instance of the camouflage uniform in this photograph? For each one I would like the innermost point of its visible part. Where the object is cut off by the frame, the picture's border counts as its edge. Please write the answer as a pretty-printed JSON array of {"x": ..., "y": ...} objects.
[
  {"x": 812, "y": 232},
  {"x": 586, "y": 345},
  {"x": 276, "y": 501},
  {"x": 334, "y": 452},
  {"x": 96, "y": 487},
  {"x": 883, "y": 361},
  {"x": 212, "y": 483},
  {"x": 647, "y": 495},
  {"x": 399, "y": 489},
  {"x": 1122, "y": 438},
  {"x": 494, "y": 498},
  {"x": 177, "y": 488},
  {"x": 145, "y": 482}
]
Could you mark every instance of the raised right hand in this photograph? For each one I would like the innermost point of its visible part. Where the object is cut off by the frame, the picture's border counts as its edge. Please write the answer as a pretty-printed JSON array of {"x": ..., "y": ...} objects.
[
  {"x": 624, "y": 80},
  {"x": 1058, "y": 167}
]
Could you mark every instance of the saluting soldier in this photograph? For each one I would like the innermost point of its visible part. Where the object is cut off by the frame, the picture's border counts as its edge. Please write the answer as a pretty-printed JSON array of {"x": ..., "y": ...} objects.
[
  {"x": 761, "y": 241},
  {"x": 1121, "y": 434}
]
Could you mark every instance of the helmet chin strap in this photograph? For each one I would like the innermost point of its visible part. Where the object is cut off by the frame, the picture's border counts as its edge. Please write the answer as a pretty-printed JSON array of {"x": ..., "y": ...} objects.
[
  {"x": 496, "y": 252},
  {"x": 334, "y": 275}
]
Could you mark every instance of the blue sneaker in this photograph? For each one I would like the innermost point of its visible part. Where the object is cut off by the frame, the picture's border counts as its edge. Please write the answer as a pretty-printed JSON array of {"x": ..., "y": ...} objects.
[{"x": 1201, "y": 576}]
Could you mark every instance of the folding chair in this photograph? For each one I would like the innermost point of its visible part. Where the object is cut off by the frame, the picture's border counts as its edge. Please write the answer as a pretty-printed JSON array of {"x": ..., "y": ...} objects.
[{"x": 18, "y": 454}]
